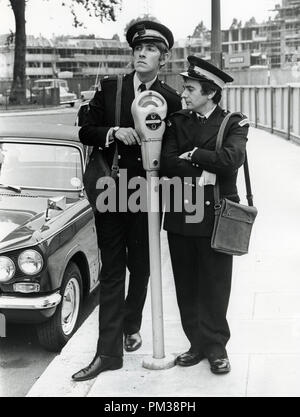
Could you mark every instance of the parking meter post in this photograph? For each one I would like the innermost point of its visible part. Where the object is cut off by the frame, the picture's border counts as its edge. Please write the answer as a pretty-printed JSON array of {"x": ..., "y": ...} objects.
[
  {"x": 155, "y": 265},
  {"x": 149, "y": 110}
]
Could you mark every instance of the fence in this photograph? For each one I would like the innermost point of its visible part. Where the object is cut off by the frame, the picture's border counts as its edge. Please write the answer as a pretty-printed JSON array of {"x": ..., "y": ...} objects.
[{"x": 272, "y": 108}]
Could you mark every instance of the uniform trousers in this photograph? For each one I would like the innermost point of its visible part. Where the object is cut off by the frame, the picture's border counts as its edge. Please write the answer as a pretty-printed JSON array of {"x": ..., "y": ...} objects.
[
  {"x": 123, "y": 242},
  {"x": 203, "y": 282}
]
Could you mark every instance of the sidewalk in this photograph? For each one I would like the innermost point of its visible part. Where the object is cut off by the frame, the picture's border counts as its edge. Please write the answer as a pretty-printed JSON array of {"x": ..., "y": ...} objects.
[{"x": 264, "y": 312}]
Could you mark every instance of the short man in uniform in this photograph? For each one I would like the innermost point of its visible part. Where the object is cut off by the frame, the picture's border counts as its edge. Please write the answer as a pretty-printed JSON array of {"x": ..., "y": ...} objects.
[
  {"x": 123, "y": 237},
  {"x": 202, "y": 276}
]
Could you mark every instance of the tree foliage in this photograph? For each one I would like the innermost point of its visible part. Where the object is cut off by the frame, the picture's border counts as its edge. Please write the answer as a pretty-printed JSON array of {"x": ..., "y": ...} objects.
[
  {"x": 251, "y": 22},
  {"x": 235, "y": 24},
  {"x": 102, "y": 9},
  {"x": 199, "y": 30}
]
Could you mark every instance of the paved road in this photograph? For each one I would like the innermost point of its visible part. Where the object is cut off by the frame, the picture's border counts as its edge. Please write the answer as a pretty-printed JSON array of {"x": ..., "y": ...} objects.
[
  {"x": 61, "y": 115},
  {"x": 22, "y": 360}
]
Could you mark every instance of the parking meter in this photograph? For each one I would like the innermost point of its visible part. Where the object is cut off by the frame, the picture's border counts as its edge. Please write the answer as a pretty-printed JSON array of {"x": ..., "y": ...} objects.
[{"x": 149, "y": 110}]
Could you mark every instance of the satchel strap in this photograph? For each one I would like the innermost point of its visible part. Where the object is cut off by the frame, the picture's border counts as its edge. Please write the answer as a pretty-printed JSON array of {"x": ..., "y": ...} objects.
[
  {"x": 219, "y": 142},
  {"x": 115, "y": 165}
]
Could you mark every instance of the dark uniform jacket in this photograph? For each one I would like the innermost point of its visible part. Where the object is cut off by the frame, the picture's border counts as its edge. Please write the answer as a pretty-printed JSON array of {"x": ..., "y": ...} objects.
[
  {"x": 101, "y": 117},
  {"x": 184, "y": 132}
]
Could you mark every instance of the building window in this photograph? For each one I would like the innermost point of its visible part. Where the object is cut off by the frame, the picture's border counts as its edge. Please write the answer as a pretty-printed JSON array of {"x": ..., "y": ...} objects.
[
  {"x": 235, "y": 35},
  {"x": 33, "y": 64}
]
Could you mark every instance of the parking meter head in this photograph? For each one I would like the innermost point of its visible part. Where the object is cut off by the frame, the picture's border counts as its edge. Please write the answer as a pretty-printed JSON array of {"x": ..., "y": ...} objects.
[{"x": 149, "y": 110}]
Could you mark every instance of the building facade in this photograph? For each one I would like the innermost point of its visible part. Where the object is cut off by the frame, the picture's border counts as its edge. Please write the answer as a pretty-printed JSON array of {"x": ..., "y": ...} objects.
[{"x": 272, "y": 44}]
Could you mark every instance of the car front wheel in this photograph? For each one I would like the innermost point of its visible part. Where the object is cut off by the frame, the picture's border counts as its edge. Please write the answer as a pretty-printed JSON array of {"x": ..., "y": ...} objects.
[{"x": 55, "y": 333}]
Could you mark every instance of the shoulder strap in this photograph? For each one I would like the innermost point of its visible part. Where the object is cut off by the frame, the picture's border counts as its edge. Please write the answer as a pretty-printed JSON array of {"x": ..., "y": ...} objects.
[
  {"x": 219, "y": 142},
  {"x": 115, "y": 165}
]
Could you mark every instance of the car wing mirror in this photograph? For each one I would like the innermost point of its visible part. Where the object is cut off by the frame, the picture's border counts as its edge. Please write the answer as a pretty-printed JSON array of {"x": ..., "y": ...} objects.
[{"x": 55, "y": 203}]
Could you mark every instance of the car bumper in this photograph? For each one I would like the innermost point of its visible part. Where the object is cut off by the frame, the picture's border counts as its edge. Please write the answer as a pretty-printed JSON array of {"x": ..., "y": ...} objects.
[{"x": 9, "y": 302}]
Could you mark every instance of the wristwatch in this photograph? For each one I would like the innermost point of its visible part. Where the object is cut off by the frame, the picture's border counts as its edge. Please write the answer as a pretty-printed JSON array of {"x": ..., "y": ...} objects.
[{"x": 115, "y": 129}]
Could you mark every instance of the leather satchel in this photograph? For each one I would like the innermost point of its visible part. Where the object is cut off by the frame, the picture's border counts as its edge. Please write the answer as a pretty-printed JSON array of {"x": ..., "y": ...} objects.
[
  {"x": 97, "y": 166},
  {"x": 233, "y": 221}
]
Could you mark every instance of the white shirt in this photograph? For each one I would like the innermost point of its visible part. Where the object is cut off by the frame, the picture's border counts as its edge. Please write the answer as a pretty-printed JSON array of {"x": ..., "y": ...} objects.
[
  {"x": 137, "y": 82},
  {"x": 206, "y": 115}
]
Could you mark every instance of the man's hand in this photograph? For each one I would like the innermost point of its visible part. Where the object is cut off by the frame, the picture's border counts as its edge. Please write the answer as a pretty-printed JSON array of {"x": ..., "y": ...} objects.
[
  {"x": 186, "y": 155},
  {"x": 128, "y": 136}
]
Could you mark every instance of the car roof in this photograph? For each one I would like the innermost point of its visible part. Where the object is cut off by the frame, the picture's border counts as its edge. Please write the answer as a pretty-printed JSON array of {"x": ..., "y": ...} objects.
[
  {"x": 50, "y": 79},
  {"x": 15, "y": 129}
]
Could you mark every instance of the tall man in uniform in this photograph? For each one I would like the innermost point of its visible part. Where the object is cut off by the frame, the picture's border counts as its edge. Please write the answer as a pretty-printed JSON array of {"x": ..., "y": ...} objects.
[
  {"x": 123, "y": 237},
  {"x": 202, "y": 276}
]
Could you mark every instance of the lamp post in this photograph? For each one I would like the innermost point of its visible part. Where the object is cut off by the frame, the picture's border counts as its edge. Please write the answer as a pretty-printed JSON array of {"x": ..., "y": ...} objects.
[{"x": 216, "y": 35}]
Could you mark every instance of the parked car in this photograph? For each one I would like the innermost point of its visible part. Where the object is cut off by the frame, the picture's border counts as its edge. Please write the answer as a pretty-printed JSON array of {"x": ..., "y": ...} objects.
[
  {"x": 65, "y": 97},
  {"x": 88, "y": 94},
  {"x": 49, "y": 257}
]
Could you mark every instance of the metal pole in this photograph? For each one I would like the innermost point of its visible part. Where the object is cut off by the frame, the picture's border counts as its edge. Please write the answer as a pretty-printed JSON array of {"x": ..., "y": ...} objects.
[
  {"x": 216, "y": 34},
  {"x": 255, "y": 106},
  {"x": 289, "y": 114},
  {"x": 159, "y": 359},
  {"x": 155, "y": 266},
  {"x": 272, "y": 108}
]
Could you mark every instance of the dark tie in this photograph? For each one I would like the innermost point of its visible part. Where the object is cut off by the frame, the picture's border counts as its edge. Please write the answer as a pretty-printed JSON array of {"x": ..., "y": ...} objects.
[
  {"x": 201, "y": 118},
  {"x": 142, "y": 87}
]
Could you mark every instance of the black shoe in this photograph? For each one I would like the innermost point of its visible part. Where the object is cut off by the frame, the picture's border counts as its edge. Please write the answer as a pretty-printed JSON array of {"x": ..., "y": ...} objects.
[
  {"x": 189, "y": 358},
  {"x": 219, "y": 365},
  {"x": 99, "y": 364},
  {"x": 132, "y": 342}
]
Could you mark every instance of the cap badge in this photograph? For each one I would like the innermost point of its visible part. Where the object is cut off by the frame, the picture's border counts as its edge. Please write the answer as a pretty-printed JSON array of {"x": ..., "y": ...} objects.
[{"x": 141, "y": 30}]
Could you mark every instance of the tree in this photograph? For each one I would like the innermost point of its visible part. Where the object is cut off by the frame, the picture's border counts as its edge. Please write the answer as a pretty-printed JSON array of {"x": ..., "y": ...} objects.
[
  {"x": 199, "y": 30},
  {"x": 102, "y": 9},
  {"x": 116, "y": 37},
  {"x": 234, "y": 23},
  {"x": 251, "y": 22}
]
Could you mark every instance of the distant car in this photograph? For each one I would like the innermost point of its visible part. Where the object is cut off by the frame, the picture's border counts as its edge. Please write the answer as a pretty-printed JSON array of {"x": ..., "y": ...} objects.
[
  {"x": 49, "y": 257},
  {"x": 88, "y": 94},
  {"x": 65, "y": 97}
]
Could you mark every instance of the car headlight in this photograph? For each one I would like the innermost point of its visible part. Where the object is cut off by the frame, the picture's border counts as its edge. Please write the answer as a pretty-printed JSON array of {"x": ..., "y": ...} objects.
[
  {"x": 30, "y": 262},
  {"x": 7, "y": 269}
]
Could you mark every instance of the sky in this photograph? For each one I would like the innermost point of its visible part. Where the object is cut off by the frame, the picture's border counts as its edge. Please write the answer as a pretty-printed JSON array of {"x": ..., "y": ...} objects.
[{"x": 48, "y": 17}]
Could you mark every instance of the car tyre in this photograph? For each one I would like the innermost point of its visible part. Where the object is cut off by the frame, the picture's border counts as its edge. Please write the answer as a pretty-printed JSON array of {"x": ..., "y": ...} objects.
[{"x": 55, "y": 333}]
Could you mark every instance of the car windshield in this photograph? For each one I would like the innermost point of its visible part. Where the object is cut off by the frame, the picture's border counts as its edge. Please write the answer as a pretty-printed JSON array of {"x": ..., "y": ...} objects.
[
  {"x": 42, "y": 166},
  {"x": 42, "y": 84}
]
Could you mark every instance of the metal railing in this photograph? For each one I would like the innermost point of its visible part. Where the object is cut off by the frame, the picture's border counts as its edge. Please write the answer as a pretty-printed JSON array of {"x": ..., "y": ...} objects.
[{"x": 274, "y": 108}]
